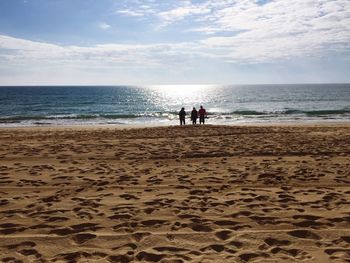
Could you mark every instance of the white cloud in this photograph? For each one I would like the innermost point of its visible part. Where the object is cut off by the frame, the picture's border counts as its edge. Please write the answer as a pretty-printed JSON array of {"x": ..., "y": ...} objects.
[
  {"x": 231, "y": 31},
  {"x": 104, "y": 25},
  {"x": 246, "y": 31},
  {"x": 166, "y": 12},
  {"x": 128, "y": 12},
  {"x": 138, "y": 9},
  {"x": 183, "y": 11},
  {"x": 20, "y": 51},
  {"x": 279, "y": 29}
]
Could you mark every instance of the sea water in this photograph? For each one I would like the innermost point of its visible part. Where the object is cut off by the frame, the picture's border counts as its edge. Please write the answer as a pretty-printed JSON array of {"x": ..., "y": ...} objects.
[{"x": 229, "y": 104}]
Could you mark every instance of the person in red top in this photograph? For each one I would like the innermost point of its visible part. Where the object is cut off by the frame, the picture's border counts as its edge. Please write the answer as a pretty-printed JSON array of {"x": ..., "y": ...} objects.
[{"x": 202, "y": 114}]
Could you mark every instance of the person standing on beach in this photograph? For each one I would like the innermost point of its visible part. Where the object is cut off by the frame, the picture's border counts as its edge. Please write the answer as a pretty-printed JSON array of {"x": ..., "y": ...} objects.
[
  {"x": 194, "y": 115},
  {"x": 182, "y": 115},
  {"x": 202, "y": 114}
]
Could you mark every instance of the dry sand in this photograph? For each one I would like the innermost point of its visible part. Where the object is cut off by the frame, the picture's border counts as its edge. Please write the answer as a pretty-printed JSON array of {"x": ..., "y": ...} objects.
[{"x": 175, "y": 194}]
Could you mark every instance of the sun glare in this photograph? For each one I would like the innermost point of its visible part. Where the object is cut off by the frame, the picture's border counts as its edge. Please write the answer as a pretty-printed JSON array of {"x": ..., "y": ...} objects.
[{"x": 182, "y": 93}]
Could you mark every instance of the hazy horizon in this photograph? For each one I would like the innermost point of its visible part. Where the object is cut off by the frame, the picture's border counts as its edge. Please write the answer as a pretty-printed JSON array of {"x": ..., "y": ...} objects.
[
  {"x": 197, "y": 42},
  {"x": 172, "y": 85}
]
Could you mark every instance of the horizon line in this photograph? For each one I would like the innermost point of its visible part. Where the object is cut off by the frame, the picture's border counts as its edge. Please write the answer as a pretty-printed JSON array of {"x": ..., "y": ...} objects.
[{"x": 183, "y": 84}]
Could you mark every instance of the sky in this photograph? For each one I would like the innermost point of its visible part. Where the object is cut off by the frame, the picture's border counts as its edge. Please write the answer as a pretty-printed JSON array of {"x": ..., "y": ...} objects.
[{"x": 153, "y": 42}]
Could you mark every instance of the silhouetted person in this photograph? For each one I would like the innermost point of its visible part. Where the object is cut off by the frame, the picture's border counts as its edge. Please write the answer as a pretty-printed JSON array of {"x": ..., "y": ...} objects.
[
  {"x": 194, "y": 115},
  {"x": 182, "y": 115},
  {"x": 202, "y": 114}
]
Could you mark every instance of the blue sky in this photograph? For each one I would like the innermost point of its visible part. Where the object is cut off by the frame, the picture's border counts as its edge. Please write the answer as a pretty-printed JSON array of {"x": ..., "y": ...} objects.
[{"x": 143, "y": 42}]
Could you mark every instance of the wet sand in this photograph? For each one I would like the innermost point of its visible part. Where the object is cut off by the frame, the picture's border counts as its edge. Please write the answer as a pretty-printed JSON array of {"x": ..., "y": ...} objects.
[{"x": 175, "y": 194}]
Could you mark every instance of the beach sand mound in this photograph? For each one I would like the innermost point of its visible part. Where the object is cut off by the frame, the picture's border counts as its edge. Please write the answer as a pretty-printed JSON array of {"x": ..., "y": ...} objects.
[{"x": 175, "y": 194}]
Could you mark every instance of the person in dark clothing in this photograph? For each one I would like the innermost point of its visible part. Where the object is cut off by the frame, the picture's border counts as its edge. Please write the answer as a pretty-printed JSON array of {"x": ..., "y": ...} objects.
[
  {"x": 182, "y": 115},
  {"x": 202, "y": 114},
  {"x": 194, "y": 115}
]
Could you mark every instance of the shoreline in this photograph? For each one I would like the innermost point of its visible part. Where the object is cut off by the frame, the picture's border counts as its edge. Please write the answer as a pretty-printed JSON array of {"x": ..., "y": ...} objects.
[{"x": 153, "y": 125}]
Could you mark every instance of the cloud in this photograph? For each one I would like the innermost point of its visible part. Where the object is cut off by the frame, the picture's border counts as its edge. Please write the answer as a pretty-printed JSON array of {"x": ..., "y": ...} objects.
[
  {"x": 104, "y": 25},
  {"x": 138, "y": 9},
  {"x": 253, "y": 31},
  {"x": 279, "y": 29},
  {"x": 166, "y": 12},
  {"x": 20, "y": 51},
  {"x": 128, "y": 12},
  {"x": 179, "y": 13},
  {"x": 245, "y": 31}
]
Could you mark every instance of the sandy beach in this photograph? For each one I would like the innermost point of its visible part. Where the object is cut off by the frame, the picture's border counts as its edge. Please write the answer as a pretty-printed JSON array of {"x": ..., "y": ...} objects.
[{"x": 175, "y": 194}]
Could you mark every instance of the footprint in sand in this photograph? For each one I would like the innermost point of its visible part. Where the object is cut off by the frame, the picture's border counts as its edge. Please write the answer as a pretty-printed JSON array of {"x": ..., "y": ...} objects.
[
  {"x": 304, "y": 234},
  {"x": 84, "y": 237}
]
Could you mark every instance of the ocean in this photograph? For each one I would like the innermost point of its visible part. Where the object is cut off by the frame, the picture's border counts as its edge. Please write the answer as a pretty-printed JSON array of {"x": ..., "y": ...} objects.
[{"x": 159, "y": 105}]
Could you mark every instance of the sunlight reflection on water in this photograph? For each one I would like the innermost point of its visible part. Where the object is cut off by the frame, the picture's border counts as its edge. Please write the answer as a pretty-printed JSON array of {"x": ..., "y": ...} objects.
[
  {"x": 186, "y": 95},
  {"x": 161, "y": 104}
]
